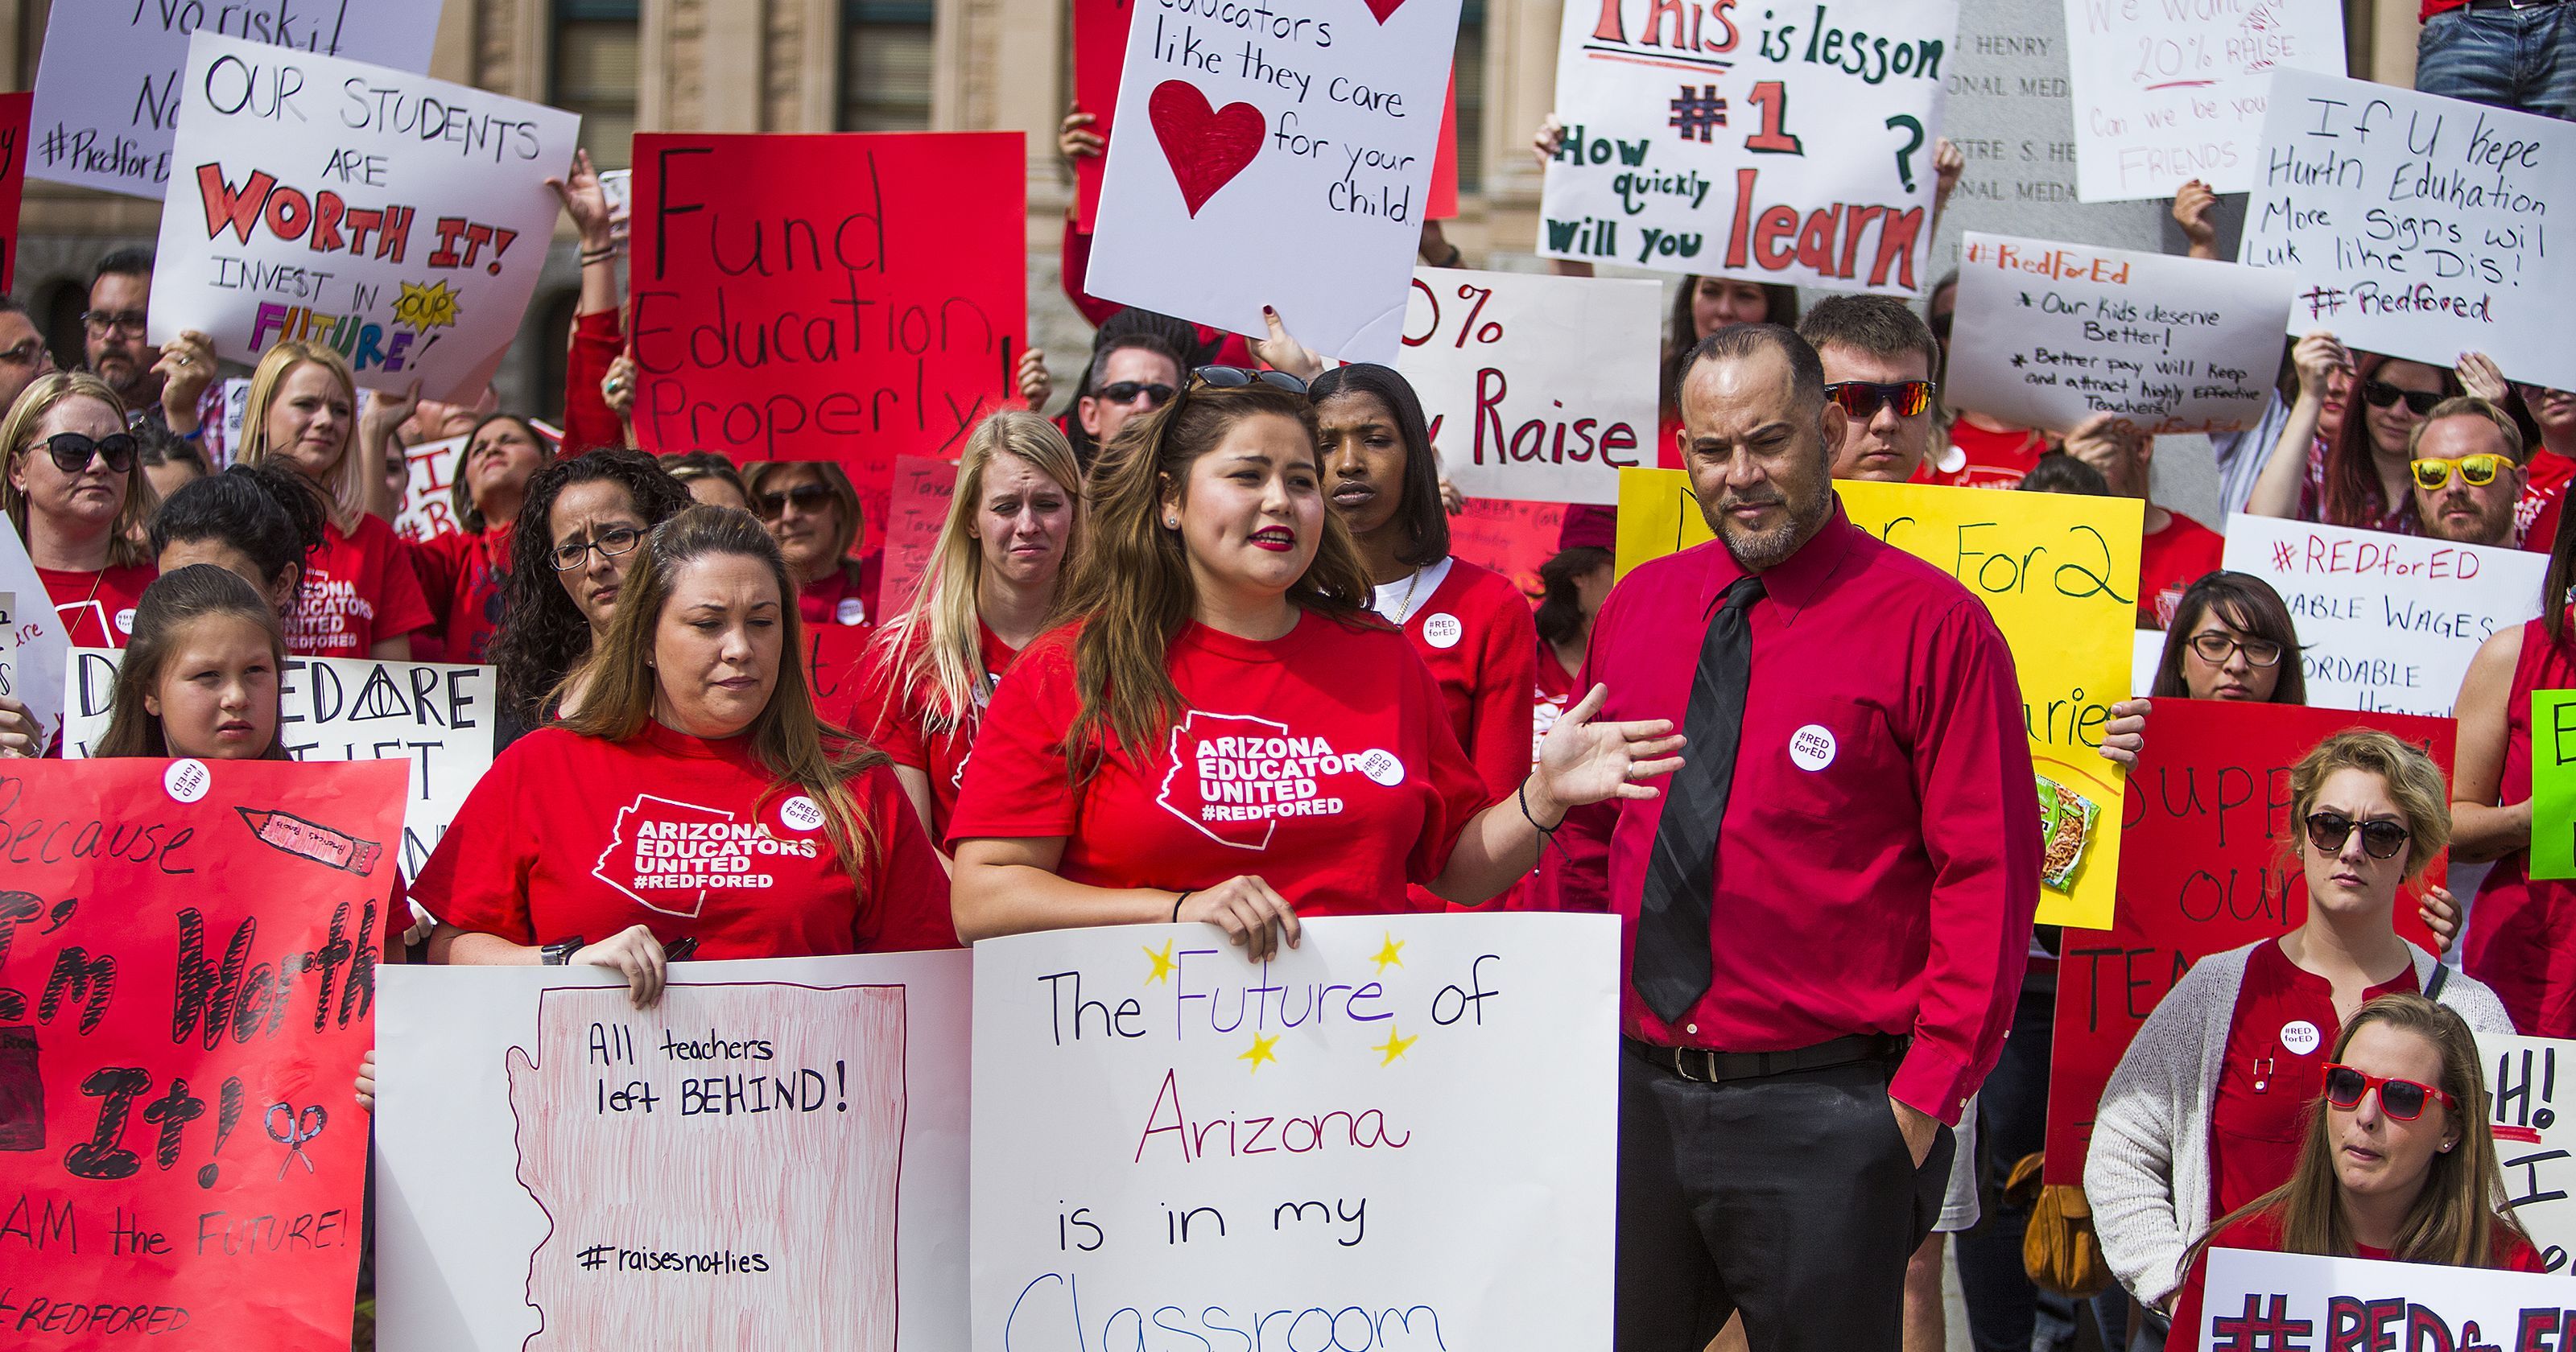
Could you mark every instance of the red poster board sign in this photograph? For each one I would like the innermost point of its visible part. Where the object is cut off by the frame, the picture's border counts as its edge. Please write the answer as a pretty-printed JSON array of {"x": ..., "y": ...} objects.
[
  {"x": 2204, "y": 867},
  {"x": 832, "y": 653},
  {"x": 1512, "y": 538},
  {"x": 919, "y": 508},
  {"x": 187, "y": 981},
  {"x": 13, "y": 180},
  {"x": 853, "y": 297}
]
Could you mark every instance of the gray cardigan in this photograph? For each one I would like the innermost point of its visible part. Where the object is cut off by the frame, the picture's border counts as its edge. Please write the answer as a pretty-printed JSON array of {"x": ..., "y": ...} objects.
[{"x": 2146, "y": 1173}]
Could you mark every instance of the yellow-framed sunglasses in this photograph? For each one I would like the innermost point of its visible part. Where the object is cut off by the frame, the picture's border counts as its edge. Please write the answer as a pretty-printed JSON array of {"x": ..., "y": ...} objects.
[{"x": 2477, "y": 471}]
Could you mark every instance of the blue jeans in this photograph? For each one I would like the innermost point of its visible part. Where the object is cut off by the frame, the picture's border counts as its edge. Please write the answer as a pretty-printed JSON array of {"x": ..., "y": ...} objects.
[{"x": 2512, "y": 58}]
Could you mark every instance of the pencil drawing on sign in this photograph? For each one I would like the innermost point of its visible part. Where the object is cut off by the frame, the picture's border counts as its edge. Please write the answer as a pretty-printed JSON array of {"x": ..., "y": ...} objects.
[{"x": 718, "y": 1171}]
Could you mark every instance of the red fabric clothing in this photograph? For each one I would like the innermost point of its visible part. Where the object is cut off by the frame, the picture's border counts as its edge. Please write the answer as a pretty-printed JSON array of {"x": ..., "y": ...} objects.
[
  {"x": 589, "y": 423},
  {"x": 2261, "y": 1232},
  {"x": 97, "y": 609},
  {"x": 571, "y": 836},
  {"x": 1320, "y": 762},
  {"x": 1475, "y": 633},
  {"x": 1668, "y": 441},
  {"x": 2433, "y": 7},
  {"x": 837, "y": 598},
  {"x": 1885, "y": 885},
  {"x": 2278, "y": 1042},
  {"x": 1977, "y": 458},
  {"x": 2396, "y": 519},
  {"x": 2523, "y": 945},
  {"x": 359, "y": 589},
  {"x": 2544, "y": 490},
  {"x": 907, "y": 720},
  {"x": 460, "y": 576},
  {"x": 2170, "y": 560},
  {"x": 1557, "y": 692}
]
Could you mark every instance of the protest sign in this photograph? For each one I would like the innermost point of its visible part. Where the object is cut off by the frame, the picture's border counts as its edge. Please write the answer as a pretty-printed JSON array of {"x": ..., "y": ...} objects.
[
  {"x": 2414, "y": 223},
  {"x": 2257, "y": 1301},
  {"x": 2050, "y": 334},
  {"x": 2058, "y": 573},
  {"x": 316, "y": 203},
  {"x": 109, "y": 90},
  {"x": 435, "y": 717},
  {"x": 43, "y": 646},
  {"x": 922, "y": 489},
  {"x": 1402, "y": 1130},
  {"x": 1687, "y": 141},
  {"x": 851, "y": 297},
  {"x": 187, "y": 979},
  {"x": 2386, "y": 622},
  {"x": 427, "y": 509},
  {"x": 1508, "y": 537},
  {"x": 2205, "y": 866},
  {"x": 2553, "y": 784},
  {"x": 1099, "y": 52},
  {"x": 773, "y": 1156},
  {"x": 8, "y": 645},
  {"x": 832, "y": 653},
  {"x": 13, "y": 180},
  {"x": 1582, "y": 355},
  {"x": 2535, "y": 1143},
  {"x": 2167, "y": 91},
  {"x": 1284, "y": 134}
]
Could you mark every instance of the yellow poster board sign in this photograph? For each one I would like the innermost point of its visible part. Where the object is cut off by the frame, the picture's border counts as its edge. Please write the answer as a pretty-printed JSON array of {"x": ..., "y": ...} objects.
[{"x": 2059, "y": 572}]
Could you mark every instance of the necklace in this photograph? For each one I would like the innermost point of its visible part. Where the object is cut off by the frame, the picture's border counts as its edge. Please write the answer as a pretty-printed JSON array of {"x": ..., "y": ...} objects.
[{"x": 1404, "y": 608}]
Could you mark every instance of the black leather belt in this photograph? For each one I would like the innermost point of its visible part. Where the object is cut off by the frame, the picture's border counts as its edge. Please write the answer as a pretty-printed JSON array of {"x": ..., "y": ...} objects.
[{"x": 1708, "y": 1067}]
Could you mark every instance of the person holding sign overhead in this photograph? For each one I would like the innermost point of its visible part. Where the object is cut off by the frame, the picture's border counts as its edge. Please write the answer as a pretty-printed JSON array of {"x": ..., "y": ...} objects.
[
  {"x": 2360, "y": 477},
  {"x": 461, "y": 572},
  {"x": 564, "y": 579},
  {"x": 1224, "y": 733},
  {"x": 79, "y": 502}
]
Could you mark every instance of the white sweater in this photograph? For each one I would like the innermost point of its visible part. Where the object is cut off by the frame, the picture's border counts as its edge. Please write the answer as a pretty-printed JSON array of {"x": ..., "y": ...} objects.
[{"x": 2146, "y": 1173}]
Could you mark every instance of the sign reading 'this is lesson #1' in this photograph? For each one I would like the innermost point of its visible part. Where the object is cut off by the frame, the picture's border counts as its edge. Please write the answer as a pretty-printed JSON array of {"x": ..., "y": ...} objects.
[{"x": 1789, "y": 145}]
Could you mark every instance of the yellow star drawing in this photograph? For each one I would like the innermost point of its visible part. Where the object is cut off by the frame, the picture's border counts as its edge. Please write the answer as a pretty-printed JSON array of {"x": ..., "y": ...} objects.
[
  {"x": 1395, "y": 1046},
  {"x": 1389, "y": 954},
  {"x": 1163, "y": 963},
  {"x": 1261, "y": 1051}
]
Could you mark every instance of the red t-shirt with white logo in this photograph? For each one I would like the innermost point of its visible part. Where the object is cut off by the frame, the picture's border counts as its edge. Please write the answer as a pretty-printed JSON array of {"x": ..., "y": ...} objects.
[
  {"x": 1557, "y": 693},
  {"x": 909, "y": 721},
  {"x": 2169, "y": 561},
  {"x": 1475, "y": 633},
  {"x": 1977, "y": 458},
  {"x": 359, "y": 589},
  {"x": 570, "y": 836},
  {"x": 1321, "y": 763},
  {"x": 98, "y": 608}
]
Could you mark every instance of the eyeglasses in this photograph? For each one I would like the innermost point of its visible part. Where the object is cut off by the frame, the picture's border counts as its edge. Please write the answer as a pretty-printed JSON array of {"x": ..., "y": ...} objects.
[
  {"x": 2477, "y": 471},
  {"x": 2400, "y": 1099},
  {"x": 1236, "y": 377},
  {"x": 610, "y": 543},
  {"x": 100, "y": 321},
  {"x": 2215, "y": 648},
  {"x": 2381, "y": 394},
  {"x": 72, "y": 451},
  {"x": 1156, "y": 394},
  {"x": 2327, "y": 831},
  {"x": 28, "y": 353},
  {"x": 1862, "y": 398},
  {"x": 807, "y": 497}
]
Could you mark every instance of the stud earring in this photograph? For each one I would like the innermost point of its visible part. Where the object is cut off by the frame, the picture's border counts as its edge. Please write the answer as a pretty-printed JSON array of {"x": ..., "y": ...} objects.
[{"x": 1171, "y": 523}]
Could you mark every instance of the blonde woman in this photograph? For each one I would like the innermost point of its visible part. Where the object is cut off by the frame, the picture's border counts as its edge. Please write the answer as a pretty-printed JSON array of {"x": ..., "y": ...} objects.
[
  {"x": 1013, "y": 521},
  {"x": 79, "y": 502},
  {"x": 361, "y": 597}
]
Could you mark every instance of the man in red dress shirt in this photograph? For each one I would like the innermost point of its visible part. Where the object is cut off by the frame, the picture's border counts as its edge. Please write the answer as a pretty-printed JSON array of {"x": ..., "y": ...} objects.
[{"x": 1825, "y": 940}]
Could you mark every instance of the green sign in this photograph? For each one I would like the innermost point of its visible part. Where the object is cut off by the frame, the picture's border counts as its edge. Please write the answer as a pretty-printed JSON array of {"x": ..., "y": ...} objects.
[{"x": 2553, "y": 783}]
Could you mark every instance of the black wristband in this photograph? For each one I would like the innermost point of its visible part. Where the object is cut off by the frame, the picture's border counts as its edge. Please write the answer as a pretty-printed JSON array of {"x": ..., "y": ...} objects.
[{"x": 1176, "y": 904}]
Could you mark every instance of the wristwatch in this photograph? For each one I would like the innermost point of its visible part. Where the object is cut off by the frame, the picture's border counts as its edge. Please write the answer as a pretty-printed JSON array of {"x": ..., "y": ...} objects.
[{"x": 559, "y": 954}]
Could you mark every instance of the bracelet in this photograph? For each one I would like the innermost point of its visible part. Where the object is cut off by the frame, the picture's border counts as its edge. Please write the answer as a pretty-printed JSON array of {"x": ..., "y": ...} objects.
[
  {"x": 1546, "y": 834},
  {"x": 1176, "y": 905},
  {"x": 602, "y": 255}
]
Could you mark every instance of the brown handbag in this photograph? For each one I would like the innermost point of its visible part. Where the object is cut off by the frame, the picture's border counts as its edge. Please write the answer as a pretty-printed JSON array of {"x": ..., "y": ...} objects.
[{"x": 2058, "y": 1249}]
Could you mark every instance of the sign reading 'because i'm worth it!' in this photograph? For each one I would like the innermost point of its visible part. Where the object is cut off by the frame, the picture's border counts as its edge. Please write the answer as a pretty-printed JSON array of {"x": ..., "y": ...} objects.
[{"x": 1793, "y": 146}]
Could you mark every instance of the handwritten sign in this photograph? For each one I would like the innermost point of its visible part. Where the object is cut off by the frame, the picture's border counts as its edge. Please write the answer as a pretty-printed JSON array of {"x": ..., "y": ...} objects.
[
  {"x": 773, "y": 1156},
  {"x": 1319, "y": 1136},
  {"x": 1512, "y": 538},
  {"x": 2386, "y": 622},
  {"x": 2290, "y": 1301},
  {"x": 314, "y": 203},
  {"x": 919, "y": 508},
  {"x": 2535, "y": 1141},
  {"x": 1297, "y": 131},
  {"x": 2203, "y": 868},
  {"x": 42, "y": 646},
  {"x": 832, "y": 653},
  {"x": 2054, "y": 569},
  {"x": 13, "y": 179},
  {"x": 185, "y": 989},
  {"x": 1537, "y": 388},
  {"x": 428, "y": 509},
  {"x": 2050, "y": 334},
  {"x": 1794, "y": 147},
  {"x": 8, "y": 645},
  {"x": 435, "y": 718},
  {"x": 2167, "y": 91},
  {"x": 2553, "y": 783},
  {"x": 2414, "y": 223}
]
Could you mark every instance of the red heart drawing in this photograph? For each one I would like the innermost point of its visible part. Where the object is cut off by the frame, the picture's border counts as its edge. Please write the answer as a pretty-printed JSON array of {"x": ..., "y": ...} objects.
[
  {"x": 1383, "y": 8},
  {"x": 1206, "y": 146}
]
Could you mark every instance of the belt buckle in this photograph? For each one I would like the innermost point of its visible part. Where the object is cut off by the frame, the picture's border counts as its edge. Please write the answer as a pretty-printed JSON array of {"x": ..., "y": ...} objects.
[{"x": 1681, "y": 1065}]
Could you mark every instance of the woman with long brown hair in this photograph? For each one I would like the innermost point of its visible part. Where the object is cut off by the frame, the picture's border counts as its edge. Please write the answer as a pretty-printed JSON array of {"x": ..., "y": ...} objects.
[
  {"x": 2232, "y": 638},
  {"x": 79, "y": 502},
  {"x": 462, "y": 572},
  {"x": 200, "y": 677},
  {"x": 2360, "y": 476}
]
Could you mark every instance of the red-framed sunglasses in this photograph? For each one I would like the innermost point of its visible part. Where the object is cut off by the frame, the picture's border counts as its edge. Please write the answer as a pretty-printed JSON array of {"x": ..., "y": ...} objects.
[{"x": 2400, "y": 1099}]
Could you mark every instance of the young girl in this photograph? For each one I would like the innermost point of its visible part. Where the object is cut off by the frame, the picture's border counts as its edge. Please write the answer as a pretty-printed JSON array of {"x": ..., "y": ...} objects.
[{"x": 200, "y": 675}]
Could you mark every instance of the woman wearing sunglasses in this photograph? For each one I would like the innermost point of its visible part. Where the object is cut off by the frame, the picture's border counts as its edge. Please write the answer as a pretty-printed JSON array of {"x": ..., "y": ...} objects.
[
  {"x": 79, "y": 503},
  {"x": 1223, "y": 733},
  {"x": 2205, "y": 1113},
  {"x": 813, "y": 512},
  {"x": 2399, "y": 1163},
  {"x": 2360, "y": 475}
]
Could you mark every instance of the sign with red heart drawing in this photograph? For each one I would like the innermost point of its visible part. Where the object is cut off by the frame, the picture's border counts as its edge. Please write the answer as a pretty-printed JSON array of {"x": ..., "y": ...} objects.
[{"x": 1285, "y": 134}]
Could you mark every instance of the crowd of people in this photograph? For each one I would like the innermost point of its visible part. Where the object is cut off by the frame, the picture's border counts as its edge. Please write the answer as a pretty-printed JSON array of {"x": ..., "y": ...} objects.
[{"x": 1219, "y": 535}]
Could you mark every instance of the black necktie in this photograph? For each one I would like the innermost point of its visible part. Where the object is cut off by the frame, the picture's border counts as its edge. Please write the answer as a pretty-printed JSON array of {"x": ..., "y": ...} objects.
[{"x": 1671, "y": 969}]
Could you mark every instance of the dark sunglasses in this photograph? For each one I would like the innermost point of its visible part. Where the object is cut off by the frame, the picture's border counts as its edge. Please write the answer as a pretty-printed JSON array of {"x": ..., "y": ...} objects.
[
  {"x": 2401, "y": 1099},
  {"x": 1236, "y": 377},
  {"x": 1156, "y": 394},
  {"x": 72, "y": 451},
  {"x": 1862, "y": 398},
  {"x": 807, "y": 497},
  {"x": 2380, "y": 840},
  {"x": 2381, "y": 394}
]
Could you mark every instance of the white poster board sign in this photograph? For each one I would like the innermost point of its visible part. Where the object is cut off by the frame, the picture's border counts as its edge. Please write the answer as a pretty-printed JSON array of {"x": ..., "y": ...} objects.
[
  {"x": 43, "y": 646},
  {"x": 2387, "y": 623},
  {"x": 2535, "y": 1138},
  {"x": 310, "y": 204},
  {"x": 428, "y": 510},
  {"x": 1788, "y": 145},
  {"x": 1406, "y": 1121},
  {"x": 1284, "y": 135},
  {"x": 2166, "y": 92},
  {"x": 1537, "y": 388},
  {"x": 108, "y": 87},
  {"x": 9, "y": 645},
  {"x": 2296, "y": 1302},
  {"x": 2049, "y": 334},
  {"x": 772, "y": 1157},
  {"x": 434, "y": 715},
  {"x": 2415, "y": 223}
]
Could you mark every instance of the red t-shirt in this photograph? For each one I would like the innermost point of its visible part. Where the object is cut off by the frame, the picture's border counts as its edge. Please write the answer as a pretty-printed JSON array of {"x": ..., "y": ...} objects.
[
  {"x": 1321, "y": 762},
  {"x": 2170, "y": 560},
  {"x": 1557, "y": 692},
  {"x": 908, "y": 720},
  {"x": 2544, "y": 491},
  {"x": 359, "y": 589},
  {"x": 834, "y": 598},
  {"x": 572, "y": 836},
  {"x": 1475, "y": 633},
  {"x": 2278, "y": 1042},
  {"x": 2261, "y": 1232},
  {"x": 1977, "y": 458},
  {"x": 460, "y": 577},
  {"x": 98, "y": 608}
]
